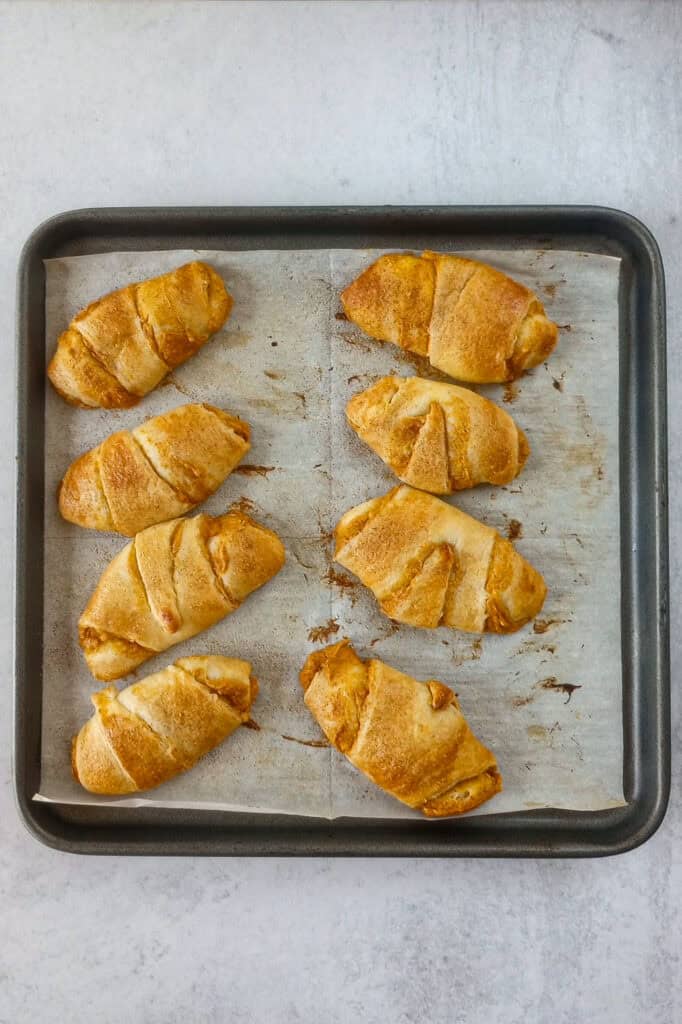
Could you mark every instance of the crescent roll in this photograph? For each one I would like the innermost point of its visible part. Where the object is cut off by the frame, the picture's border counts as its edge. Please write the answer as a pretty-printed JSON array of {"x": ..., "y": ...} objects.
[
  {"x": 438, "y": 437},
  {"x": 171, "y": 582},
  {"x": 429, "y": 565},
  {"x": 158, "y": 471},
  {"x": 471, "y": 321},
  {"x": 120, "y": 347},
  {"x": 409, "y": 738},
  {"x": 155, "y": 729}
]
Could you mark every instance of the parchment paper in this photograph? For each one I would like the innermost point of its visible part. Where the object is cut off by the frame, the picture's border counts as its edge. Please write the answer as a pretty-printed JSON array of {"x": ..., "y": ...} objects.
[{"x": 546, "y": 700}]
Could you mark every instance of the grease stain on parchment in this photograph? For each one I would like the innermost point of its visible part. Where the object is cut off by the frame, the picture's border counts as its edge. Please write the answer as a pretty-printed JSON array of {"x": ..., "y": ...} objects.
[{"x": 543, "y": 733}]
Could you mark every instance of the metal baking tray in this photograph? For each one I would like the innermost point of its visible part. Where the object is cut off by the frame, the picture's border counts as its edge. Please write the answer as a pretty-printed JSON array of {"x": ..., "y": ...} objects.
[{"x": 643, "y": 522}]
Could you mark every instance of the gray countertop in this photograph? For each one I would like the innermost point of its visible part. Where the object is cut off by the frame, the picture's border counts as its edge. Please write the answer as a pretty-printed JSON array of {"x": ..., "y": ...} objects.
[{"x": 107, "y": 104}]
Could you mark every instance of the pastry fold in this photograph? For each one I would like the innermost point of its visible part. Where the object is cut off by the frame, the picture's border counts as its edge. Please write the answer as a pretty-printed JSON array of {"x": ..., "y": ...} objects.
[
  {"x": 428, "y": 564},
  {"x": 471, "y": 321},
  {"x": 438, "y": 437},
  {"x": 122, "y": 345},
  {"x": 410, "y": 738},
  {"x": 155, "y": 729}
]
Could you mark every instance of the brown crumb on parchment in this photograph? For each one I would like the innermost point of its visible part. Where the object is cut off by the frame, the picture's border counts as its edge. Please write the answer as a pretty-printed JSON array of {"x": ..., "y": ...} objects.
[
  {"x": 391, "y": 628},
  {"x": 511, "y": 392},
  {"x": 551, "y": 683},
  {"x": 359, "y": 342},
  {"x": 318, "y": 634},
  {"x": 306, "y": 743},
  {"x": 248, "y": 470},
  {"x": 273, "y": 375},
  {"x": 459, "y": 657},
  {"x": 244, "y": 505},
  {"x": 514, "y": 529},
  {"x": 542, "y": 625},
  {"x": 557, "y": 382},
  {"x": 338, "y": 579},
  {"x": 250, "y": 724}
]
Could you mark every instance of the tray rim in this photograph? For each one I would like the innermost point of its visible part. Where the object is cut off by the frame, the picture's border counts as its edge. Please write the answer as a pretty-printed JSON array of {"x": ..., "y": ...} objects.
[{"x": 534, "y": 834}]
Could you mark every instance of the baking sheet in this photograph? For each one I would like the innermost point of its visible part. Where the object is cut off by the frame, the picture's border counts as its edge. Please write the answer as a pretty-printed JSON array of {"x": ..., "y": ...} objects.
[{"x": 287, "y": 363}]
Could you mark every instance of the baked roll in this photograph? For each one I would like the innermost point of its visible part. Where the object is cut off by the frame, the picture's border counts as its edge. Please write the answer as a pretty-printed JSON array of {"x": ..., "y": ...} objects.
[
  {"x": 158, "y": 471},
  {"x": 161, "y": 726},
  {"x": 170, "y": 583},
  {"x": 409, "y": 738},
  {"x": 429, "y": 565},
  {"x": 471, "y": 321},
  {"x": 120, "y": 347},
  {"x": 438, "y": 437}
]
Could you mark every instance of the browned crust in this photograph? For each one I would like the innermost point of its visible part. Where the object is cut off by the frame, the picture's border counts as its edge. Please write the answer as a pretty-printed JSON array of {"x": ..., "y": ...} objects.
[
  {"x": 145, "y": 734},
  {"x": 392, "y": 300},
  {"x": 465, "y": 796},
  {"x": 473, "y": 322},
  {"x": 171, "y": 582},
  {"x": 516, "y": 591},
  {"x": 438, "y": 437},
  {"x": 82, "y": 380},
  {"x": 119, "y": 347},
  {"x": 410, "y": 738},
  {"x": 428, "y": 564},
  {"x": 158, "y": 471}
]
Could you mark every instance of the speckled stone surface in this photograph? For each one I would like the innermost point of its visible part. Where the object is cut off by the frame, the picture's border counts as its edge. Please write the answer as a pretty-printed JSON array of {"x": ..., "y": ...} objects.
[{"x": 145, "y": 104}]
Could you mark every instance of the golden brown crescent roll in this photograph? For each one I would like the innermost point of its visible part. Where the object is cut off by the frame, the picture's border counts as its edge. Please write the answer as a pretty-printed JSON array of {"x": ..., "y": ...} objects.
[
  {"x": 155, "y": 729},
  {"x": 438, "y": 437},
  {"x": 409, "y": 738},
  {"x": 171, "y": 582},
  {"x": 122, "y": 345},
  {"x": 472, "y": 321},
  {"x": 158, "y": 471},
  {"x": 428, "y": 564}
]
